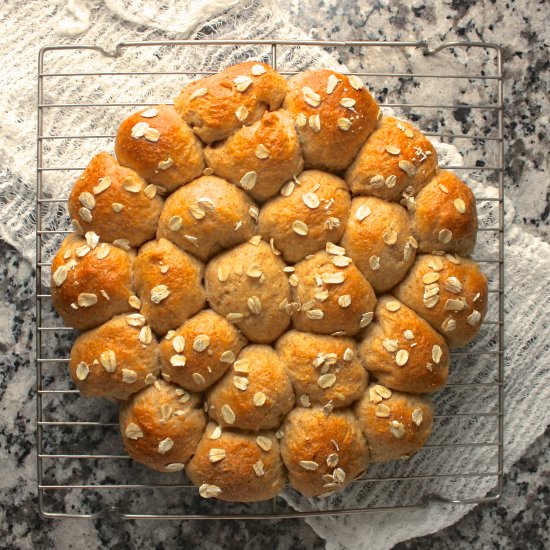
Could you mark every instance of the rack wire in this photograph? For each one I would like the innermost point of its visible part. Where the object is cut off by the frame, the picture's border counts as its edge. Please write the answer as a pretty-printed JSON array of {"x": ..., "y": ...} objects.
[{"x": 82, "y": 469}]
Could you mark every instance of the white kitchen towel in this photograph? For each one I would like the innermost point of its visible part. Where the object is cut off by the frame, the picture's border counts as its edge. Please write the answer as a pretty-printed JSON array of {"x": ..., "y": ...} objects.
[{"x": 37, "y": 23}]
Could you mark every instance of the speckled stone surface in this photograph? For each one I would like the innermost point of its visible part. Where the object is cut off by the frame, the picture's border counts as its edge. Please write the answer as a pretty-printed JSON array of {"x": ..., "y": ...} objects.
[{"x": 520, "y": 520}]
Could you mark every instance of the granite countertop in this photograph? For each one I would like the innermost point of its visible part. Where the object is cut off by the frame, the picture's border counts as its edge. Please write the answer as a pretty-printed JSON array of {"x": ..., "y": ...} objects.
[{"x": 522, "y": 517}]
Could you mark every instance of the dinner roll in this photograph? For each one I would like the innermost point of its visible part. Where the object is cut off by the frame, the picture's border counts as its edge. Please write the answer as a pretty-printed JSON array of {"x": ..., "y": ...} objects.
[
  {"x": 449, "y": 292},
  {"x": 323, "y": 370},
  {"x": 115, "y": 359},
  {"x": 247, "y": 285},
  {"x": 378, "y": 238},
  {"x": 160, "y": 147},
  {"x": 91, "y": 281},
  {"x": 322, "y": 453},
  {"x": 445, "y": 216},
  {"x": 236, "y": 466},
  {"x": 216, "y": 105},
  {"x": 395, "y": 424},
  {"x": 254, "y": 394},
  {"x": 312, "y": 212},
  {"x": 206, "y": 216},
  {"x": 333, "y": 296},
  {"x": 115, "y": 203},
  {"x": 168, "y": 283},
  {"x": 395, "y": 163},
  {"x": 260, "y": 158},
  {"x": 199, "y": 352},
  {"x": 403, "y": 351},
  {"x": 161, "y": 426},
  {"x": 333, "y": 113}
]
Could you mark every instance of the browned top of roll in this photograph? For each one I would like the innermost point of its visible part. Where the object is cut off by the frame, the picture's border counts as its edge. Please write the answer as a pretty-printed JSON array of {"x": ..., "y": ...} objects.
[
  {"x": 216, "y": 105},
  {"x": 445, "y": 217},
  {"x": 237, "y": 466},
  {"x": 160, "y": 147},
  {"x": 403, "y": 351},
  {"x": 333, "y": 114},
  {"x": 395, "y": 163},
  {"x": 449, "y": 292},
  {"x": 91, "y": 281},
  {"x": 161, "y": 426},
  {"x": 114, "y": 202}
]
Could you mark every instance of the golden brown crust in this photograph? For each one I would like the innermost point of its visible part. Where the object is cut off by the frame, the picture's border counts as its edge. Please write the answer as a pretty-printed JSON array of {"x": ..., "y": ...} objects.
[
  {"x": 245, "y": 473},
  {"x": 132, "y": 364},
  {"x": 380, "y": 244},
  {"x": 161, "y": 426},
  {"x": 254, "y": 400},
  {"x": 445, "y": 204},
  {"x": 160, "y": 268},
  {"x": 206, "y": 216},
  {"x": 312, "y": 360},
  {"x": 314, "y": 257},
  {"x": 246, "y": 285},
  {"x": 375, "y": 161},
  {"x": 89, "y": 289},
  {"x": 268, "y": 150},
  {"x": 169, "y": 156},
  {"x": 403, "y": 351},
  {"x": 394, "y": 427},
  {"x": 342, "y": 130},
  {"x": 210, "y": 105},
  {"x": 203, "y": 365},
  {"x": 466, "y": 283},
  {"x": 117, "y": 213},
  {"x": 282, "y": 218},
  {"x": 324, "y": 307},
  {"x": 322, "y": 453}
]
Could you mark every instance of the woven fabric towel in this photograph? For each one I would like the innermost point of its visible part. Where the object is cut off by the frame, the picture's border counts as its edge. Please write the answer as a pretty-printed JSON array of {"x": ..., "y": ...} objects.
[{"x": 527, "y": 390}]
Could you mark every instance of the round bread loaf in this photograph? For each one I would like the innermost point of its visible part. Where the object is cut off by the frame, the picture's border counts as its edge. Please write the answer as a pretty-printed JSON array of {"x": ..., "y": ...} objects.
[
  {"x": 115, "y": 203},
  {"x": 313, "y": 211},
  {"x": 216, "y": 105},
  {"x": 449, "y": 292},
  {"x": 161, "y": 426},
  {"x": 236, "y": 466},
  {"x": 261, "y": 157},
  {"x": 198, "y": 353},
  {"x": 396, "y": 161},
  {"x": 91, "y": 281},
  {"x": 333, "y": 113},
  {"x": 168, "y": 283},
  {"x": 254, "y": 394},
  {"x": 445, "y": 217},
  {"x": 378, "y": 238},
  {"x": 206, "y": 216},
  {"x": 116, "y": 359},
  {"x": 160, "y": 147},
  {"x": 333, "y": 296},
  {"x": 323, "y": 370},
  {"x": 395, "y": 424},
  {"x": 313, "y": 256},
  {"x": 403, "y": 351},
  {"x": 322, "y": 453},
  {"x": 247, "y": 285}
]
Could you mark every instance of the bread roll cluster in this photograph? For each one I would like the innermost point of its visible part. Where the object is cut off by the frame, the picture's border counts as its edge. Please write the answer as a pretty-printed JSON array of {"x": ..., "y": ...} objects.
[{"x": 269, "y": 276}]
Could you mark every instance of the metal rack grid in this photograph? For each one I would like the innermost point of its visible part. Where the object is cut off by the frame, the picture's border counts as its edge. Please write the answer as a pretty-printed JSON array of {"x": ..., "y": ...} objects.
[{"x": 92, "y": 485}]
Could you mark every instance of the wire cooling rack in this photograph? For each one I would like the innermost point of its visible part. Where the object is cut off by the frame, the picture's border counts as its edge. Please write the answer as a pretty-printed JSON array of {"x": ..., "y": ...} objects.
[{"x": 82, "y": 468}]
